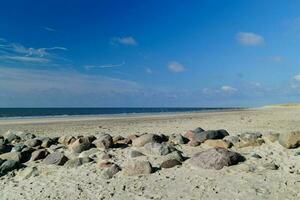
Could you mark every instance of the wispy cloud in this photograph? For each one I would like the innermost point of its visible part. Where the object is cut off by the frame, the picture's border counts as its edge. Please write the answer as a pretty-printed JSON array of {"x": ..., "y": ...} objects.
[
  {"x": 176, "y": 67},
  {"x": 130, "y": 41},
  {"x": 88, "y": 67},
  {"x": 19, "y": 53},
  {"x": 249, "y": 39},
  {"x": 46, "y": 28},
  {"x": 297, "y": 77},
  {"x": 149, "y": 70},
  {"x": 228, "y": 89},
  {"x": 276, "y": 59}
]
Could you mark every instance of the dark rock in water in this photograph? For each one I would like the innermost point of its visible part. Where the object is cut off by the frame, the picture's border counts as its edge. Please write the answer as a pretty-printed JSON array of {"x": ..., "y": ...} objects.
[
  {"x": 33, "y": 142},
  {"x": 77, "y": 162},
  {"x": 39, "y": 154},
  {"x": 11, "y": 156},
  {"x": 146, "y": 138},
  {"x": 170, "y": 163},
  {"x": 158, "y": 149},
  {"x": 111, "y": 171},
  {"x": 137, "y": 167},
  {"x": 290, "y": 140},
  {"x": 18, "y": 147},
  {"x": 104, "y": 141},
  {"x": 8, "y": 166},
  {"x": 81, "y": 144},
  {"x": 134, "y": 154},
  {"x": 55, "y": 158},
  {"x": 26, "y": 136},
  {"x": 215, "y": 158}
]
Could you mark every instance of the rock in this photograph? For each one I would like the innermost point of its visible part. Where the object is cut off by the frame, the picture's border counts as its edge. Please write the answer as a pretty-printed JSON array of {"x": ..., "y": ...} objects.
[
  {"x": 80, "y": 145},
  {"x": 89, "y": 153},
  {"x": 33, "y": 142},
  {"x": 11, "y": 136},
  {"x": 134, "y": 154},
  {"x": 137, "y": 167},
  {"x": 175, "y": 155},
  {"x": 146, "y": 138},
  {"x": 105, "y": 156},
  {"x": 66, "y": 140},
  {"x": 8, "y": 166},
  {"x": 270, "y": 166},
  {"x": 77, "y": 162},
  {"x": 11, "y": 156},
  {"x": 47, "y": 142},
  {"x": 27, "y": 173},
  {"x": 117, "y": 138},
  {"x": 56, "y": 147},
  {"x": 201, "y": 136},
  {"x": 177, "y": 139},
  {"x": 255, "y": 155},
  {"x": 191, "y": 133},
  {"x": 232, "y": 139},
  {"x": 217, "y": 143},
  {"x": 290, "y": 140},
  {"x": 104, "y": 141},
  {"x": 249, "y": 139},
  {"x": 39, "y": 154},
  {"x": 26, "y": 136},
  {"x": 297, "y": 153},
  {"x": 170, "y": 163},
  {"x": 111, "y": 171},
  {"x": 193, "y": 143},
  {"x": 18, "y": 147},
  {"x": 4, "y": 148},
  {"x": 105, "y": 164},
  {"x": 215, "y": 158},
  {"x": 272, "y": 137},
  {"x": 158, "y": 149},
  {"x": 55, "y": 158}
]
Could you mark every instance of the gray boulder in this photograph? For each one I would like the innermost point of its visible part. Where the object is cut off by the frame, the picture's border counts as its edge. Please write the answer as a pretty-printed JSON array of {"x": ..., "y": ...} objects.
[
  {"x": 8, "y": 166},
  {"x": 33, "y": 142},
  {"x": 215, "y": 158},
  {"x": 55, "y": 158},
  {"x": 39, "y": 154},
  {"x": 146, "y": 138},
  {"x": 81, "y": 144},
  {"x": 158, "y": 149},
  {"x": 104, "y": 141},
  {"x": 16, "y": 156},
  {"x": 137, "y": 167},
  {"x": 110, "y": 172},
  {"x": 77, "y": 162}
]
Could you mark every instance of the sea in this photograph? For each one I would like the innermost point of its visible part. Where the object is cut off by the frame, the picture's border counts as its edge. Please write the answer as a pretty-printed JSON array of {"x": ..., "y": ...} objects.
[{"x": 61, "y": 112}]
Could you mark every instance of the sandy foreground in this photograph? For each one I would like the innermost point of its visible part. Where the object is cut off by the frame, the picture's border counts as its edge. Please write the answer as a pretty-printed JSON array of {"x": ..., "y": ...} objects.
[{"x": 247, "y": 180}]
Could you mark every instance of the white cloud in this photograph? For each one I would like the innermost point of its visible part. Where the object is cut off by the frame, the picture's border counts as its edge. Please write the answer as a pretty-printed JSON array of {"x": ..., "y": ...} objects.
[
  {"x": 49, "y": 29},
  {"x": 19, "y": 53},
  {"x": 297, "y": 77},
  {"x": 104, "y": 66},
  {"x": 276, "y": 59},
  {"x": 249, "y": 39},
  {"x": 130, "y": 41},
  {"x": 176, "y": 67},
  {"x": 149, "y": 70},
  {"x": 229, "y": 89}
]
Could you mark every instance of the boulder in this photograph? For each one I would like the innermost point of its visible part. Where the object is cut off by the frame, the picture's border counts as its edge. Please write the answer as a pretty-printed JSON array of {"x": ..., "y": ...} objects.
[
  {"x": 8, "y": 166},
  {"x": 89, "y": 153},
  {"x": 33, "y": 142},
  {"x": 232, "y": 139},
  {"x": 249, "y": 139},
  {"x": 290, "y": 140},
  {"x": 11, "y": 156},
  {"x": 104, "y": 141},
  {"x": 146, "y": 138},
  {"x": 201, "y": 136},
  {"x": 158, "y": 149},
  {"x": 4, "y": 148},
  {"x": 137, "y": 167},
  {"x": 170, "y": 163},
  {"x": 26, "y": 136},
  {"x": 217, "y": 143},
  {"x": 47, "y": 142},
  {"x": 272, "y": 137},
  {"x": 27, "y": 173},
  {"x": 10, "y": 136},
  {"x": 80, "y": 145},
  {"x": 77, "y": 162},
  {"x": 55, "y": 158},
  {"x": 177, "y": 139},
  {"x": 66, "y": 140},
  {"x": 39, "y": 154},
  {"x": 134, "y": 154},
  {"x": 110, "y": 172},
  {"x": 56, "y": 147},
  {"x": 105, "y": 164},
  {"x": 18, "y": 147},
  {"x": 215, "y": 158}
]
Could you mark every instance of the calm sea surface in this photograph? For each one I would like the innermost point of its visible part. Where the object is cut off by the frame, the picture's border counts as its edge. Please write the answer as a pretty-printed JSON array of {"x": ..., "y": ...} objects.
[{"x": 39, "y": 112}]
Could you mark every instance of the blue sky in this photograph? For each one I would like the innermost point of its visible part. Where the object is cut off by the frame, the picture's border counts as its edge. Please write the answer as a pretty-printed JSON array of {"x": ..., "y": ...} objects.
[{"x": 149, "y": 53}]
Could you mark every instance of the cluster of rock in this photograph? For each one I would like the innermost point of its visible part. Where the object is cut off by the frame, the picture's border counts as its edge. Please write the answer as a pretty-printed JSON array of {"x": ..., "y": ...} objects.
[{"x": 19, "y": 148}]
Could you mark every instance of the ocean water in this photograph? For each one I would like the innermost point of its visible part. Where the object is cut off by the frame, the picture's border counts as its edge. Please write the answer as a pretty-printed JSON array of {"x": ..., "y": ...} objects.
[{"x": 48, "y": 112}]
